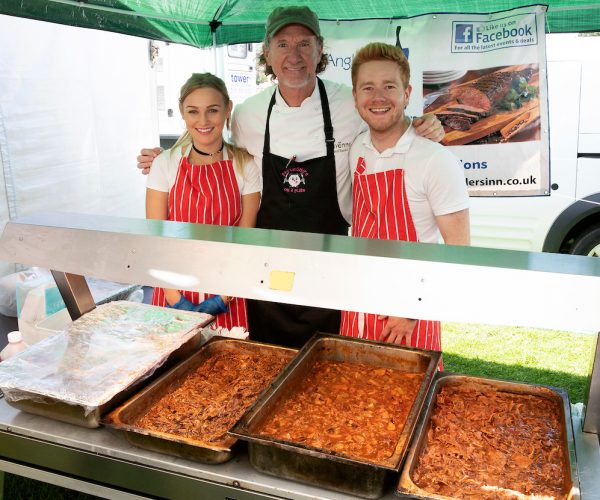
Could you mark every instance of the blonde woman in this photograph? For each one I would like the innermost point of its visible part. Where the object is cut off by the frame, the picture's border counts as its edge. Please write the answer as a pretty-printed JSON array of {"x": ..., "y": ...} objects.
[{"x": 203, "y": 179}]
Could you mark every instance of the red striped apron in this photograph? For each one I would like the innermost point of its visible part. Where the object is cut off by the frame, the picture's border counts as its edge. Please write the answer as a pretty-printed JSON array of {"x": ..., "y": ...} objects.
[
  {"x": 207, "y": 194},
  {"x": 380, "y": 210}
]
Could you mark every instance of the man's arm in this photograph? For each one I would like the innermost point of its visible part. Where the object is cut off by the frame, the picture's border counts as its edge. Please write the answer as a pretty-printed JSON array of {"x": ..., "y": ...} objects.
[
  {"x": 145, "y": 159},
  {"x": 455, "y": 227},
  {"x": 429, "y": 126}
]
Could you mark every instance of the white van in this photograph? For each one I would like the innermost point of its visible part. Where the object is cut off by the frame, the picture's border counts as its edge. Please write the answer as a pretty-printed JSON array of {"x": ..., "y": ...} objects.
[{"x": 567, "y": 221}]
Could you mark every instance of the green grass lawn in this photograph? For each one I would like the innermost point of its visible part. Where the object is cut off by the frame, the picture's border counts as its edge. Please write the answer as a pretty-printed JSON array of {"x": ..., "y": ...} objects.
[{"x": 547, "y": 357}]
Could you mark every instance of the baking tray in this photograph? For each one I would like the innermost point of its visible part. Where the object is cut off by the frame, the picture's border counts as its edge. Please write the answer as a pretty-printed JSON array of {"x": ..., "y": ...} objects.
[
  {"x": 99, "y": 360},
  {"x": 406, "y": 488},
  {"x": 124, "y": 417},
  {"x": 322, "y": 467}
]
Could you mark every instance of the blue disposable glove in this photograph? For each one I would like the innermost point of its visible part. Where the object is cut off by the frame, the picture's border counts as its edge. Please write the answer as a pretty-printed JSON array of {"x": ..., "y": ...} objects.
[
  {"x": 182, "y": 304},
  {"x": 212, "y": 305}
]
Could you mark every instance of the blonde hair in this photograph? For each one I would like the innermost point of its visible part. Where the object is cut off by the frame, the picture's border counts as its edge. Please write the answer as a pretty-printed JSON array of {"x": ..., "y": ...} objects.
[
  {"x": 378, "y": 51},
  {"x": 208, "y": 80}
]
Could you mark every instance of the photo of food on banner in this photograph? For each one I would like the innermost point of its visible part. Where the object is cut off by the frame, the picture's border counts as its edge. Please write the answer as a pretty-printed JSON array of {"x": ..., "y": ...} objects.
[{"x": 486, "y": 106}]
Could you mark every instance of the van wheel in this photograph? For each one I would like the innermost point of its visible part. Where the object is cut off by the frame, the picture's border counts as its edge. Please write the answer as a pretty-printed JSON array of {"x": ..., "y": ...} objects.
[{"x": 587, "y": 243}]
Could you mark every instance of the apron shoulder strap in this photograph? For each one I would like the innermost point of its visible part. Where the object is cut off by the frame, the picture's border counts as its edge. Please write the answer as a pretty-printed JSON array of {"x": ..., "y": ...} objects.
[
  {"x": 328, "y": 127},
  {"x": 267, "y": 142},
  {"x": 360, "y": 166}
]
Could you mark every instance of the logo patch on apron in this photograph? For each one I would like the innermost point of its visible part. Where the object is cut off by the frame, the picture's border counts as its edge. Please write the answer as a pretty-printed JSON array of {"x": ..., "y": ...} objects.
[{"x": 294, "y": 180}]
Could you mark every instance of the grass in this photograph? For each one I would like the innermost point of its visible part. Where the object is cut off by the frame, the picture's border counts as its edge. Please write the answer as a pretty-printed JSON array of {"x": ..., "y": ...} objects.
[{"x": 546, "y": 357}]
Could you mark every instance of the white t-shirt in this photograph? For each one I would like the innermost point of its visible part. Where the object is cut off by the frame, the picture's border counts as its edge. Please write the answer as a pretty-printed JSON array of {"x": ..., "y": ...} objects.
[
  {"x": 299, "y": 130},
  {"x": 433, "y": 177},
  {"x": 164, "y": 172}
]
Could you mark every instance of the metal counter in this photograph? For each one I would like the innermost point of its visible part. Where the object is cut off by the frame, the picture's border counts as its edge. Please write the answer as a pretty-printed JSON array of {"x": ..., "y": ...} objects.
[
  {"x": 102, "y": 463},
  {"x": 449, "y": 283},
  {"x": 446, "y": 282}
]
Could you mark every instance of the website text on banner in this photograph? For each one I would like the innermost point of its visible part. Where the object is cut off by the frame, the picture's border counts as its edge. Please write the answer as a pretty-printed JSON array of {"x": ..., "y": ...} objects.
[{"x": 484, "y": 76}]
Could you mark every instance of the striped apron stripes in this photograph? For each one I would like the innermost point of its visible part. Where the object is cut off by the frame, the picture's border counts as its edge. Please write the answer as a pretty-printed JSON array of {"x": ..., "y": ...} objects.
[
  {"x": 207, "y": 194},
  {"x": 380, "y": 210}
]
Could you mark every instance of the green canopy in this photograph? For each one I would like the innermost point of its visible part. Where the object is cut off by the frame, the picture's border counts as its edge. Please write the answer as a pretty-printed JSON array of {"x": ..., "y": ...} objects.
[{"x": 203, "y": 23}]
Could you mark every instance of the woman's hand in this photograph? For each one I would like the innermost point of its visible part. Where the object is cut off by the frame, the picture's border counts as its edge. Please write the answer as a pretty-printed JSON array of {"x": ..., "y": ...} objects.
[{"x": 213, "y": 305}]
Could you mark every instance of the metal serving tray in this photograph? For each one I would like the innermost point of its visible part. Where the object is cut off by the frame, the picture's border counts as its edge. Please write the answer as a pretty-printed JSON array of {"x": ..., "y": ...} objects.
[
  {"x": 100, "y": 360},
  {"x": 408, "y": 489},
  {"x": 125, "y": 416},
  {"x": 79, "y": 415},
  {"x": 321, "y": 467}
]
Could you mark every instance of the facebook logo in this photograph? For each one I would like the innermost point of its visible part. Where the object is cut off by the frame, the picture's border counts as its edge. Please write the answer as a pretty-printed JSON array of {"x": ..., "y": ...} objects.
[{"x": 463, "y": 33}]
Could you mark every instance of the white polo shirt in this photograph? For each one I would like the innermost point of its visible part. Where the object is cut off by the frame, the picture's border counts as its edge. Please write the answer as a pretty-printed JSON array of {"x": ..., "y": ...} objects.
[
  {"x": 299, "y": 130},
  {"x": 433, "y": 177},
  {"x": 165, "y": 166}
]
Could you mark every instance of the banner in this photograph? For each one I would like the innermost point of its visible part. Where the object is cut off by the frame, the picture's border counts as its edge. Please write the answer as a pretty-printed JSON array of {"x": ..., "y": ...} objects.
[{"x": 484, "y": 76}]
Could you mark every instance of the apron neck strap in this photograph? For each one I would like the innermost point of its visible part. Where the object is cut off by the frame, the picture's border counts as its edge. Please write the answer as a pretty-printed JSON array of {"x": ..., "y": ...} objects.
[{"x": 327, "y": 126}]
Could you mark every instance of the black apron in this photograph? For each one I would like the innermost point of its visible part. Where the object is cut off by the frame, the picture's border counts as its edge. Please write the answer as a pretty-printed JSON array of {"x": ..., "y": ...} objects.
[{"x": 297, "y": 196}]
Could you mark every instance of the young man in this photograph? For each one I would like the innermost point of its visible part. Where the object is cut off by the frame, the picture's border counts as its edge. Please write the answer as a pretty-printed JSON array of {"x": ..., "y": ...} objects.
[
  {"x": 299, "y": 129},
  {"x": 404, "y": 187}
]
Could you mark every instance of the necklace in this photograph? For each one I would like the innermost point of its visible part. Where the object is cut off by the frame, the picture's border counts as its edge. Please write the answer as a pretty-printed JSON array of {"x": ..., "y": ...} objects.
[{"x": 207, "y": 154}]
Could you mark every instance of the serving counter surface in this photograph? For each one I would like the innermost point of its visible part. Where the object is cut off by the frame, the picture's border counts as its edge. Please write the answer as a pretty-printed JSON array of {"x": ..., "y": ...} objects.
[
  {"x": 555, "y": 291},
  {"x": 103, "y": 456},
  {"x": 102, "y": 462}
]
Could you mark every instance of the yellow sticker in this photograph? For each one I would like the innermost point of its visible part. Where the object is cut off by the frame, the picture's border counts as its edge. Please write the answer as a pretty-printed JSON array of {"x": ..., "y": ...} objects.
[{"x": 281, "y": 280}]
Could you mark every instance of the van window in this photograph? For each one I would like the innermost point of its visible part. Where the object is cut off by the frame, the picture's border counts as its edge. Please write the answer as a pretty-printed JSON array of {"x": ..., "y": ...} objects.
[{"x": 239, "y": 51}]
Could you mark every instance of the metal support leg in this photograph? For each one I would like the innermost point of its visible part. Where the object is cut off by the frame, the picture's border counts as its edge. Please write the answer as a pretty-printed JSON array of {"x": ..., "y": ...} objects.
[
  {"x": 591, "y": 422},
  {"x": 75, "y": 293}
]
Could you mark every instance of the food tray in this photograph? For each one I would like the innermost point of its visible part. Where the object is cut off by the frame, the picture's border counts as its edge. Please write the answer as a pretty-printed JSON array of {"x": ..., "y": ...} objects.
[
  {"x": 322, "y": 467},
  {"x": 99, "y": 360},
  {"x": 406, "y": 488},
  {"x": 125, "y": 417}
]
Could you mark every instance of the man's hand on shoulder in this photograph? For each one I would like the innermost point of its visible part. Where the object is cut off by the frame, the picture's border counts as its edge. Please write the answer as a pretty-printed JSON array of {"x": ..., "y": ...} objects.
[
  {"x": 430, "y": 127},
  {"x": 145, "y": 159}
]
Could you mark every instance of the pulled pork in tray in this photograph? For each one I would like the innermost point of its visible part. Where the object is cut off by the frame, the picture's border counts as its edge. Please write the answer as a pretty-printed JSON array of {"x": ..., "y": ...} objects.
[
  {"x": 352, "y": 409},
  {"x": 486, "y": 444},
  {"x": 214, "y": 396}
]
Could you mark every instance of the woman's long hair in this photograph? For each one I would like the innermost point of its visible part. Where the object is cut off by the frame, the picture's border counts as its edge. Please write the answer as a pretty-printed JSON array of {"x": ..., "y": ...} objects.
[{"x": 208, "y": 80}]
